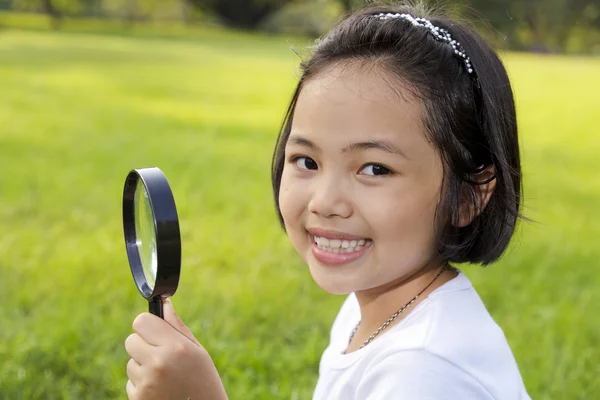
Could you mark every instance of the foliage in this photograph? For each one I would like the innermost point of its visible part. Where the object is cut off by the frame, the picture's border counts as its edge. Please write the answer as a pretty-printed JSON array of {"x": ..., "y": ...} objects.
[
  {"x": 541, "y": 25},
  {"x": 78, "y": 111},
  {"x": 349, "y": 5},
  {"x": 533, "y": 25},
  {"x": 241, "y": 13},
  {"x": 303, "y": 18},
  {"x": 55, "y": 9},
  {"x": 140, "y": 10}
]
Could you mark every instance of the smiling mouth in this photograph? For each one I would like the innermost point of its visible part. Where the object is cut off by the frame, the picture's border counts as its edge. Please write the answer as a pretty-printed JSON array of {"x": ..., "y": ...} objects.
[{"x": 338, "y": 246}]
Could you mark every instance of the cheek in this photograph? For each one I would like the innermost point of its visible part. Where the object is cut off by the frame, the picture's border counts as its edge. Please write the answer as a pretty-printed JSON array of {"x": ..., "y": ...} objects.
[
  {"x": 291, "y": 198},
  {"x": 404, "y": 217}
]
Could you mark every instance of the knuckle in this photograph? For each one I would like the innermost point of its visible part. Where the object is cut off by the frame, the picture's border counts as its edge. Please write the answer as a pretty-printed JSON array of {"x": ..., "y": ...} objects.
[
  {"x": 130, "y": 389},
  {"x": 158, "y": 372},
  {"x": 179, "y": 350},
  {"x": 203, "y": 352},
  {"x": 129, "y": 340},
  {"x": 138, "y": 322},
  {"x": 130, "y": 367},
  {"x": 156, "y": 361}
]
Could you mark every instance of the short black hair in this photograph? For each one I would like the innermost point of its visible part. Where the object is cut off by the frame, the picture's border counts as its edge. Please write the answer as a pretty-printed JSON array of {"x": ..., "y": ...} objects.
[{"x": 470, "y": 118}]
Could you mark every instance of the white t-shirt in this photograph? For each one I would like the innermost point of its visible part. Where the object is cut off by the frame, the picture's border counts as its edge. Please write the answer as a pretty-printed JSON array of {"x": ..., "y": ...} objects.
[{"x": 447, "y": 348}]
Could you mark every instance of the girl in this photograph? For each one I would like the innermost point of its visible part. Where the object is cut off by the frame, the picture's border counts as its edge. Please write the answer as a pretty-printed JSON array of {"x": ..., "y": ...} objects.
[{"x": 398, "y": 157}]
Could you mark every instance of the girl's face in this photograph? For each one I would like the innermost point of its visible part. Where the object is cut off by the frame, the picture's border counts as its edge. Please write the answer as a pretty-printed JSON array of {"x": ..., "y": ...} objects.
[{"x": 360, "y": 183}]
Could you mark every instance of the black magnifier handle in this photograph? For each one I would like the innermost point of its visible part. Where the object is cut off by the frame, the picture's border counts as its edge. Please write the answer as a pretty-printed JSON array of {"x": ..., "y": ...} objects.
[{"x": 156, "y": 307}]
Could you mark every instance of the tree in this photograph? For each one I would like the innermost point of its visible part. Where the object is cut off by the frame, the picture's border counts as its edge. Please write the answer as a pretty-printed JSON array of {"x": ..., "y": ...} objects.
[
  {"x": 54, "y": 14},
  {"x": 241, "y": 13},
  {"x": 539, "y": 25},
  {"x": 349, "y": 5},
  {"x": 132, "y": 11},
  {"x": 55, "y": 9},
  {"x": 186, "y": 6}
]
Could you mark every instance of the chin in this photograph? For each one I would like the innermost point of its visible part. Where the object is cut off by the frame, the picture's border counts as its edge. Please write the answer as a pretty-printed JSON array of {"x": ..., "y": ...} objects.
[{"x": 337, "y": 282}]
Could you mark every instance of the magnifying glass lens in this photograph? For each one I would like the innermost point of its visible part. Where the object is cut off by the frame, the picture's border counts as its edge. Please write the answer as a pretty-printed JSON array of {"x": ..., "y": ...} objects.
[{"x": 145, "y": 233}]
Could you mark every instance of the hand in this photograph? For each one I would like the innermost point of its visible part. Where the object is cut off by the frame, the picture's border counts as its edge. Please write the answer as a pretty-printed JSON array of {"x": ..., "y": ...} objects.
[{"x": 167, "y": 362}]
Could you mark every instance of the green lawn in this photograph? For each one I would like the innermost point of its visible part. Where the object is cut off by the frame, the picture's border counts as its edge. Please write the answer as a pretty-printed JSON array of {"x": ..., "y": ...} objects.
[{"x": 78, "y": 111}]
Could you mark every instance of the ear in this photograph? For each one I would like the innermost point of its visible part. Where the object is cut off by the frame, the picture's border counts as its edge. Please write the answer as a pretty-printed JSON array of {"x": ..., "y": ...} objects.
[{"x": 475, "y": 197}]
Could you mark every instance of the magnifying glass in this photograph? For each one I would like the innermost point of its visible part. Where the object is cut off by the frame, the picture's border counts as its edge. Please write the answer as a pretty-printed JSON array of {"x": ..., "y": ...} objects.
[{"x": 152, "y": 237}]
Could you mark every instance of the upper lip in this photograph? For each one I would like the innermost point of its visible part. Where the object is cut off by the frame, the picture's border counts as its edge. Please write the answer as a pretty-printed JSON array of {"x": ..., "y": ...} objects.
[{"x": 331, "y": 234}]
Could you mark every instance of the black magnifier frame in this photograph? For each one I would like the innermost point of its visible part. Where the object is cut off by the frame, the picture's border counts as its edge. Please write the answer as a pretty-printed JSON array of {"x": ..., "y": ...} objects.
[{"x": 166, "y": 235}]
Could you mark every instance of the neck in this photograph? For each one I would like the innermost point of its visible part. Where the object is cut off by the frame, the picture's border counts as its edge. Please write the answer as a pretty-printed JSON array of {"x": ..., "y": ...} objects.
[{"x": 379, "y": 304}]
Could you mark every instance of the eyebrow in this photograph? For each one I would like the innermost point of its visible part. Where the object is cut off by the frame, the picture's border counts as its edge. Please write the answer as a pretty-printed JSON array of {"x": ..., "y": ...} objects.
[{"x": 382, "y": 145}]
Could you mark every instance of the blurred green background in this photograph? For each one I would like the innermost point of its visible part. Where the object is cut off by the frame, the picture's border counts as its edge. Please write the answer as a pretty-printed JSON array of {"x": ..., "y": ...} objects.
[{"x": 92, "y": 89}]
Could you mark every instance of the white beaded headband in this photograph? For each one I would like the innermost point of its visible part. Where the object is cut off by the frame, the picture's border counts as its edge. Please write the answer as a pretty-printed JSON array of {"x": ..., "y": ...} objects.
[{"x": 440, "y": 34}]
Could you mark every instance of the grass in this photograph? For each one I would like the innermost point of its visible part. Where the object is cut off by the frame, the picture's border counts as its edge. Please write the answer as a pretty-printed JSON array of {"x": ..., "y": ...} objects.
[{"x": 78, "y": 111}]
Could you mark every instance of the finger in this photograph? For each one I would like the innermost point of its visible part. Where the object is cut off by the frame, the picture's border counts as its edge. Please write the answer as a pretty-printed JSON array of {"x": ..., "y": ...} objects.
[
  {"x": 173, "y": 319},
  {"x": 130, "y": 388},
  {"x": 139, "y": 349},
  {"x": 153, "y": 330},
  {"x": 134, "y": 372}
]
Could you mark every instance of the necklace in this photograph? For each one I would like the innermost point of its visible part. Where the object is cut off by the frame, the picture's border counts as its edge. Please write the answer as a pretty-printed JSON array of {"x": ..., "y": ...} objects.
[{"x": 396, "y": 314}]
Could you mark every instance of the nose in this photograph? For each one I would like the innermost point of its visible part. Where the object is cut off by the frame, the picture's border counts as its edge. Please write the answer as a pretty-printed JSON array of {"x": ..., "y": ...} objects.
[{"x": 329, "y": 197}]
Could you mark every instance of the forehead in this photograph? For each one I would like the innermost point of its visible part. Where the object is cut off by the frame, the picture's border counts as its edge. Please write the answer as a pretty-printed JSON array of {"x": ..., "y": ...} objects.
[{"x": 355, "y": 104}]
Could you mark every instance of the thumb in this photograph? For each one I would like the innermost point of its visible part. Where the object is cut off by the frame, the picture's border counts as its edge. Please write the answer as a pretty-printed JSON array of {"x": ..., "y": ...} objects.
[{"x": 176, "y": 322}]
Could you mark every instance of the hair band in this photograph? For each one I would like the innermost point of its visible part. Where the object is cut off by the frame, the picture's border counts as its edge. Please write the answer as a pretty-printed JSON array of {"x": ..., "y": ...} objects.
[{"x": 440, "y": 34}]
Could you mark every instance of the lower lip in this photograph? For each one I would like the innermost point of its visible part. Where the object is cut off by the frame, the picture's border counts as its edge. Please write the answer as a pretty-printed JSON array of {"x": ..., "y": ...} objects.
[{"x": 328, "y": 258}]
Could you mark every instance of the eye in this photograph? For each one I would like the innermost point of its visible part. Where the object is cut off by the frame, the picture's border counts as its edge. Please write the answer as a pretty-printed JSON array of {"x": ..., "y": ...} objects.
[
  {"x": 305, "y": 163},
  {"x": 375, "y": 170}
]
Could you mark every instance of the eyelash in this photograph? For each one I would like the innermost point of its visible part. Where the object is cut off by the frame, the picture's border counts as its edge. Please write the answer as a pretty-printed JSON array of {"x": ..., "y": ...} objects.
[{"x": 295, "y": 159}]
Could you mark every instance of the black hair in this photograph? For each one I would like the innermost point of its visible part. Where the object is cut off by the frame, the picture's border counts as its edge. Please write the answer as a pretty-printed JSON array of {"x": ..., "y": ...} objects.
[{"x": 470, "y": 118}]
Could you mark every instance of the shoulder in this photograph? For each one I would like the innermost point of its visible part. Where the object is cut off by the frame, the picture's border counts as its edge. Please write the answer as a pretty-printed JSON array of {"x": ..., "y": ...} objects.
[
  {"x": 465, "y": 333},
  {"x": 448, "y": 347},
  {"x": 418, "y": 374},
  {"x": 453, "y": 334},
  {"x": 452, "y": 320}
]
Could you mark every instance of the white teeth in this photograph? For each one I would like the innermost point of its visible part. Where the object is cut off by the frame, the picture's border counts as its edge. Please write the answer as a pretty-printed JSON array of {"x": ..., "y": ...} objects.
[
  {"x": 339, "y": 246},
  {"x": 321, "y": 241},
  {"x": 335, "y": 243}
]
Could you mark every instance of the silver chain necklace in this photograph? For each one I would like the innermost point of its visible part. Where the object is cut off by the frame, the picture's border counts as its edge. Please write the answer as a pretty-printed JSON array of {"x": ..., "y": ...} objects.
[{"x": 393, "y": 317}]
